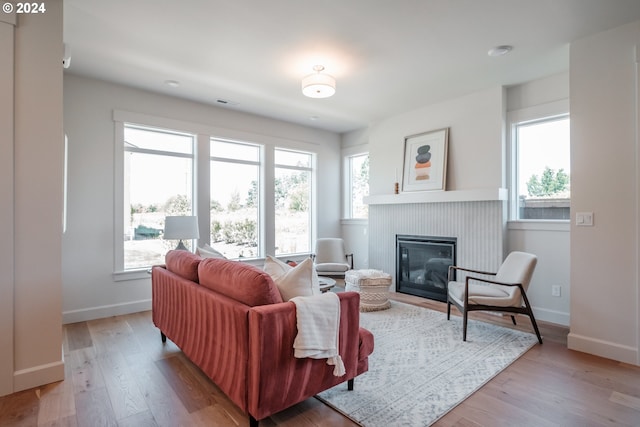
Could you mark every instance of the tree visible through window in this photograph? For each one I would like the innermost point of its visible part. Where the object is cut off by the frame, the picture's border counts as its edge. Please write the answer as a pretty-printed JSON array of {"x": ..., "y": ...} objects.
[
  {"x": 234, "y": 203},
  {"x": 543, "y": 168},
  {"x": 358, "y": 185},
  {"x": 293, "y": 199}
]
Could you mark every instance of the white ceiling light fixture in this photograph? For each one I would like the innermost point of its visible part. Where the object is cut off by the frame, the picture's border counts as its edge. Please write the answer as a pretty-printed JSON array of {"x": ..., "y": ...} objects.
[
  {"x": 318, "y": 85},
  {"x": 500, "y": 50}
]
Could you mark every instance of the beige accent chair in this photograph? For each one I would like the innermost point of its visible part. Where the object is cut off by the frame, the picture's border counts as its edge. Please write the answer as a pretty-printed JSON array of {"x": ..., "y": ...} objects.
[
  {"x": 505, "y": 292},
  {"x": 331, "y": 259}
]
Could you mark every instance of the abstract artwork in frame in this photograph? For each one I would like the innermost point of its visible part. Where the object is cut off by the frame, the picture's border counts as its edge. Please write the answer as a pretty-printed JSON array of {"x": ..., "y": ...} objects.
[{"x": 425, "y": 161}]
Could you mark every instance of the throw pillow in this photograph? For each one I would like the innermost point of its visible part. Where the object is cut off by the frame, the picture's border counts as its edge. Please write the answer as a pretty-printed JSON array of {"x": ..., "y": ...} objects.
[
  {"x": 207, "y": 251},
  {"x": 298, "y": 281}
]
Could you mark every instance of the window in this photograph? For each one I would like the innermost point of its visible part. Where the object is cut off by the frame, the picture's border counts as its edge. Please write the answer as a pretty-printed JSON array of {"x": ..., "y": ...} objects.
[
  {"x": 542, "y": 169},
  {"x": 357, "y": 185},
  {"x": 158, "y": 181},
  {"x": 167, "y": 167},
  {"x": 293, "y": 201},
  {"x": 235, "y": 198}
]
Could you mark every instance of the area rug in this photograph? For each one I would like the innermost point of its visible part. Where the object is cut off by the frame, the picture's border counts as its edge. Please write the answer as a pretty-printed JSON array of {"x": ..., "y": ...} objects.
[{"x": 421, "y": 369}]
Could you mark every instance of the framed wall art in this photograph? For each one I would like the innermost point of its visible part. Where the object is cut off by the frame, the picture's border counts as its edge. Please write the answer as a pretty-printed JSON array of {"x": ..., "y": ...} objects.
[{"x": 425, "y": 161}]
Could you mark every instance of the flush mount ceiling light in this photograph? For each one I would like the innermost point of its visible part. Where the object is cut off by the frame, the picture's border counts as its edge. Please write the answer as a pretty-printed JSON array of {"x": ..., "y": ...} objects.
[
  {"x": 500, "y": 50},
  {"x": 318, "y": 85}
]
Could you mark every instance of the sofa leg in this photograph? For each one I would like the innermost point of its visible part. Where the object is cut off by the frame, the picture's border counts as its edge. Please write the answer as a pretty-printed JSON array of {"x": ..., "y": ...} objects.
[
  {"x": 163, "y": 337},
  {"x": 253, "y": 422},
  {"x": 350, "y": 384}
]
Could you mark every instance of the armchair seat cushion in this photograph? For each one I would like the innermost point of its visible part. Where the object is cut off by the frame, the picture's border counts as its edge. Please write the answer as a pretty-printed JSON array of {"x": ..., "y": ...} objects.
[
  {"x": 330, "y": 267},
  {"x": 489, "y": 294}
]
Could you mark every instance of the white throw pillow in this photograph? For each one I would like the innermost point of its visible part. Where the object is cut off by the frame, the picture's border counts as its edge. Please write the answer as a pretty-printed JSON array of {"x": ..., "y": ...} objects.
[
  {"x": 207, "y": 251},
  {"x": 298, "y": 281}
]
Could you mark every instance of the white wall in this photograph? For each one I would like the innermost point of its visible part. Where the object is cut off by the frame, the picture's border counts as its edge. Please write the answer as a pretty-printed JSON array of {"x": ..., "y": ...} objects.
[
  {"x": 604, "y": 180},
  {"x": 548, "y": 240},
  {"x": 6, "y": 209},
  {"x": 32, "y": 202},
  {"x": 88, "y": 252},
  {"x": 476, "y": 141}
]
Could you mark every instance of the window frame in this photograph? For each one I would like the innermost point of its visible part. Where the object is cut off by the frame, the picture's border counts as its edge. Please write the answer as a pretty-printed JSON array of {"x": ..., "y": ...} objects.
[
  {"x": 347, "y": 187},
  {"x": 260, "y": 164},
  {"x": 201, "y": 180},
  {"x": 119, "y": 262},
  {"x": 539, "y": 113}
]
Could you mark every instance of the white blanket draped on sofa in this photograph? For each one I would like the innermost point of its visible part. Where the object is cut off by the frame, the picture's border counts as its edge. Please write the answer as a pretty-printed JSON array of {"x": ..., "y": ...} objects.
[{"x": 318, "y": 321}]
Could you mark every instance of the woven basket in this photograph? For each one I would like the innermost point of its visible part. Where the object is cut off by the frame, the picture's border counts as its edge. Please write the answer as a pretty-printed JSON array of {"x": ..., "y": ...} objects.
[{"x": 373, "y": 287}]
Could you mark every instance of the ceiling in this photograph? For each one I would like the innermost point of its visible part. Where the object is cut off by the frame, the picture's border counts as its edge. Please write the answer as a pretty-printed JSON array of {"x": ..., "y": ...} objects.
[{"x": 388, "y": 56}]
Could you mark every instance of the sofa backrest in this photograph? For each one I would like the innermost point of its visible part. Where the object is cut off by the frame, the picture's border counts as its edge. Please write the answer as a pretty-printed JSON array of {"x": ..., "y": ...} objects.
[
  {"x": 183, "y": 263},
  {"x": 242, "y": 282}
]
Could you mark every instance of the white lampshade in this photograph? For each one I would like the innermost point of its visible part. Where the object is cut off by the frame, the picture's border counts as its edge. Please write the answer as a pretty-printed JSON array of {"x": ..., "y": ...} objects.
[
  {"x": 318, "y": 85},
  {"x": 181, "y": 227}
]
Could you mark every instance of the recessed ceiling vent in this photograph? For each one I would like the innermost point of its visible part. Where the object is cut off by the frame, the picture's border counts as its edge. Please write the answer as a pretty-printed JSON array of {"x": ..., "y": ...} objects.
[{"x": 226, "y": 102}]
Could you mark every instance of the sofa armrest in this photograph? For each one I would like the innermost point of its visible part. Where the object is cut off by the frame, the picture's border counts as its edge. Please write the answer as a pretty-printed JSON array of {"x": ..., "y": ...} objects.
[{"x": 277, "y": 379}]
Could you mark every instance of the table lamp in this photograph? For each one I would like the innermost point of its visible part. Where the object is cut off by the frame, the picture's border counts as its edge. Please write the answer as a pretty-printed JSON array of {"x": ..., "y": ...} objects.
[{"x": 181, "y": 227}]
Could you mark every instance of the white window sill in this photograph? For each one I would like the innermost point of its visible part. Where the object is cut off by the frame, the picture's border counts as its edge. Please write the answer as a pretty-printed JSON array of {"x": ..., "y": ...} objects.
[
  {"x": 536, "y": 225},
  {"x": 121, "y": 276}
]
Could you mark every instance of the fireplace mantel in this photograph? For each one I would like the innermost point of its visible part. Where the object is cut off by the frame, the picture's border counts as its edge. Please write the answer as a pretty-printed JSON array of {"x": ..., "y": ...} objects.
[{"x": 475, "y": 195}]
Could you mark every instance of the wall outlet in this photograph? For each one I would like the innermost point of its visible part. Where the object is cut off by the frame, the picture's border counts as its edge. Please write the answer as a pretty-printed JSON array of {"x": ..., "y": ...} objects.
[{"x": 556, "y": 290}]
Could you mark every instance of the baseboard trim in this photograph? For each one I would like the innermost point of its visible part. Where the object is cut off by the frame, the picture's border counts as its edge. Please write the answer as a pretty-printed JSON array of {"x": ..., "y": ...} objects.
[
  {"x": 608, "y": 349},
  {"x": 552, "y": 316},
  {"x": 36, "y": 376},
  {"x": 100, "y": 312}
]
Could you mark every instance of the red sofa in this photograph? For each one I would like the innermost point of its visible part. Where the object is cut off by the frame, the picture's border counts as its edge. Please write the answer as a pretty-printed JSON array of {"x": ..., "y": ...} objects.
[{"x": 229, "y": 319}]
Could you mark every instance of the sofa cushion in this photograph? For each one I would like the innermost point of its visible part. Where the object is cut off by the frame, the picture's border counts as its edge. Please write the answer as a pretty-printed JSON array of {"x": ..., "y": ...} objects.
[
  {"x": 240, "y": 281},
  {"x": 298, "y": 281},
  {"x": 183, "y": 263}
]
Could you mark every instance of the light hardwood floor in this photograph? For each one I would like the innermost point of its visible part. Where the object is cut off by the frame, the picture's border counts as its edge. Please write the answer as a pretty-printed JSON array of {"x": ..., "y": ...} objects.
[{"x": 118, "y": 373}]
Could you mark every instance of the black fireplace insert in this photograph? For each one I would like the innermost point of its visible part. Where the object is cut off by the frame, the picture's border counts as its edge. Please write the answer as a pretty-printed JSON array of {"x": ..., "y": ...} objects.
[{"x": 422, "y": 265}]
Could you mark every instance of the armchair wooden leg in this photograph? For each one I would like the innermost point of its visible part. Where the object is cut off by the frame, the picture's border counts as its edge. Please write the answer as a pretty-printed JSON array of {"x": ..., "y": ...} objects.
[
  {"x": 448, "y": 309},
  {"x": 350, "y": 384},
  {"x": 163, "y": 337},
  {"x": 253, "y": 422},
  {"x": 465, "y": 315},
  {"x": 535, "y": 325}
]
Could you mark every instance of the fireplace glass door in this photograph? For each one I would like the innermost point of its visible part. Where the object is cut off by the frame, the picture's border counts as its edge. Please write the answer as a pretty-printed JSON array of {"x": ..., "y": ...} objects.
[{"x": 422, "y": 265}]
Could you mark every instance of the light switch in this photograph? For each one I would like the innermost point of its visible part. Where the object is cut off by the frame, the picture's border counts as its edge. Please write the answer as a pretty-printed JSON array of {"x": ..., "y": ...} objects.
[{"x": 584, "y": 219}]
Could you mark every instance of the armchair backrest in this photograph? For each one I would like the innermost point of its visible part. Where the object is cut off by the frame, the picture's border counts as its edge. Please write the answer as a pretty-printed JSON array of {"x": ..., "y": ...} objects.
[
  {"x": 517, "y": 268},
  {"x": 330, "y": 250}
]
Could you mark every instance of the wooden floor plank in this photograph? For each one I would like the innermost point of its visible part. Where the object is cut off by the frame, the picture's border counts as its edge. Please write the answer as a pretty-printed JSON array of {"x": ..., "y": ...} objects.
[
  {"x": 184, "y": 384},
  {"x": 141, "y": 419},
  {"x": 164, "y": 404},
  {"x": 126, "y": 399},
  {"x": 85, "y": 370},
  {"x": 19, "y": 409},
  {"x": 94, "y": 409},
  {"x": 78, "y": 336}
]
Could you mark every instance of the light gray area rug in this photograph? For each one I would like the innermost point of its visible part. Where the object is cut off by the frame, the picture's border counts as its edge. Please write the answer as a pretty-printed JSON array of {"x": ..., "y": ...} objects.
[{"x": 420, "y": 368}]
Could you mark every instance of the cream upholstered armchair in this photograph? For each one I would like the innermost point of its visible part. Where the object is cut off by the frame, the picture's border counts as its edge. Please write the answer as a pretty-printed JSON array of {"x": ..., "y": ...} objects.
[
  {"x": 505, "y": 292},
  {"x": 331, "y": 259}
]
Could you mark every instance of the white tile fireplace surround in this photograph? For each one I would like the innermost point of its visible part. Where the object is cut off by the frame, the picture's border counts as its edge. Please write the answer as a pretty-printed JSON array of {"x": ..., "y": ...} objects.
[{"x": 478, "y": 225}]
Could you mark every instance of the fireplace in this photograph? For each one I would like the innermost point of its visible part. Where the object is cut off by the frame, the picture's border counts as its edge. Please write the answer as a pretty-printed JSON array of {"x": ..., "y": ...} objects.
[{"x": 422, "y": 265}]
